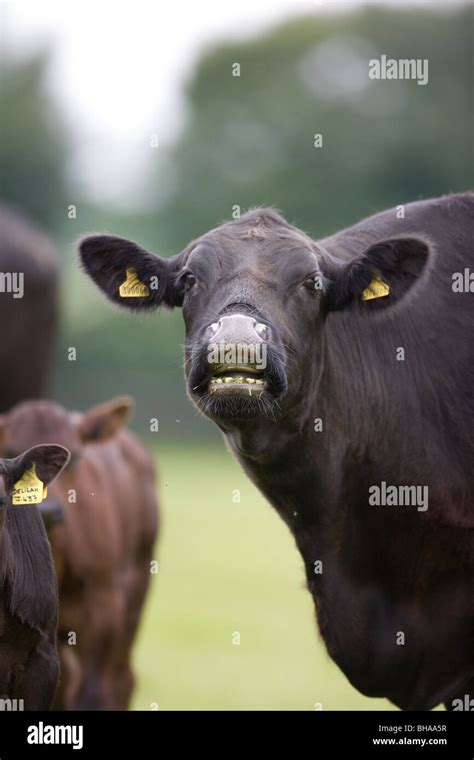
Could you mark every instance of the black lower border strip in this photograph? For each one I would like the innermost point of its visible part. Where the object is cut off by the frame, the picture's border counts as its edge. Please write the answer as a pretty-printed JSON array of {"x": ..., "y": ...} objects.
[{"x": 325, "y": 734}]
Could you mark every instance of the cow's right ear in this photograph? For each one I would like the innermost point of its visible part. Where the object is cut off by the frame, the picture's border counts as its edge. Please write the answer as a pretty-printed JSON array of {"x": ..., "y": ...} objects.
[{"x": 128, "y": 274}]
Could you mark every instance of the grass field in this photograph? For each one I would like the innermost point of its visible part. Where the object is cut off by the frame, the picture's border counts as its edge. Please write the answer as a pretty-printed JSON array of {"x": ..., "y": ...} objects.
[{"x": 229, "y": 568}]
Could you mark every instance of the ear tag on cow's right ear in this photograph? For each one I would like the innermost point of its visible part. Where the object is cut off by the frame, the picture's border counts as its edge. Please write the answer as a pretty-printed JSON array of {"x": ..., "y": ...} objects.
[
  {"x": 133, "y": 287},
  {"x": 377, "y": 289},
  {"x": 29, "y": 489}
]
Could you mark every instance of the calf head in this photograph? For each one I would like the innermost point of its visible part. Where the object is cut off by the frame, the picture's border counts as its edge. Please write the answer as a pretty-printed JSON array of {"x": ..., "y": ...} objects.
[
  {"x": 255, "y": 295},
  {"x": 31, "y": 422}
]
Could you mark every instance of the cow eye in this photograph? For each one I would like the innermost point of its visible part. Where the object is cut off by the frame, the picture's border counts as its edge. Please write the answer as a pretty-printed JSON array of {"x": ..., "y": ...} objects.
[
  {"x": 313, "y": 283},
  {"x": 189, "y": 280}
]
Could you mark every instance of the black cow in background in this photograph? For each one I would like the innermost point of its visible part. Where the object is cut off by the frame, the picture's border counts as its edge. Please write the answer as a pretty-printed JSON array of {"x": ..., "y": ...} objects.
[
  {"x": 28, "y": 309},
  {"x": 29, "y": 663},
  {"x": 358, "y": 424}
]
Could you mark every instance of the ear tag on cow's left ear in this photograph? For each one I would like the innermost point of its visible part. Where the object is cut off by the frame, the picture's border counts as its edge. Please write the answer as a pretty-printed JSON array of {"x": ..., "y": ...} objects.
[
  {"x": 29, "y": 489},
  {"x": 133, "y": 287},
  {"x": 377, "y": 289}
]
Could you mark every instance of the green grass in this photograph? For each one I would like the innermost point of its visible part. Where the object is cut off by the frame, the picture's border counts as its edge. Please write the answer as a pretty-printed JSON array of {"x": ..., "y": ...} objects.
[{"x": 229, "y": 567}]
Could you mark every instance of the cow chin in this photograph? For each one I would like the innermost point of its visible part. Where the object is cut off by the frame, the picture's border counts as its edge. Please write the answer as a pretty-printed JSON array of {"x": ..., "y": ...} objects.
[{"x": 234, "y": 408}]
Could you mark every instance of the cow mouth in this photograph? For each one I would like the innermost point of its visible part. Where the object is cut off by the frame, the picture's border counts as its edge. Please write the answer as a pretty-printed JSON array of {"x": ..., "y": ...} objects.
[
  {"x": 237, "y": 380},
  {"x": 235, "y": 392}
]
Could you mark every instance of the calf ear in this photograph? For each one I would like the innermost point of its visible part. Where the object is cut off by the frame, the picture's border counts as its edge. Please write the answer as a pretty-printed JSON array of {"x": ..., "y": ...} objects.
[
  {"x": 378, "y": 278},
  {"x": 105, "y": 420},
  {"x": 49, "y": 461},
  {"x": 128, "y": 274}
]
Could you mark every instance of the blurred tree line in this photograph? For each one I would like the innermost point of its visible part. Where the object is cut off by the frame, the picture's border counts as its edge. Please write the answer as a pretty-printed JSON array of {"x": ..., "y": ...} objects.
[
  {"x": 34, "y": 143},
  {"x": 250, "y": 139},
  {"x": 255, "y": 108}
]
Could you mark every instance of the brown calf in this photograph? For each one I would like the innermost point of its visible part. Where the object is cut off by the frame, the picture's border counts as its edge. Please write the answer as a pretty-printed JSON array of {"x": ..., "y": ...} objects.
[{"x": 102, "y": 546}]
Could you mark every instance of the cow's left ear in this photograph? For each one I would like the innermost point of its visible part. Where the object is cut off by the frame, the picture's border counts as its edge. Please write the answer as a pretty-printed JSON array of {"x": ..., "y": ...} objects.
[
  {"x": 105, "y": 420},
  {"x": 378, "y": 278},
  {"x": 128, "y": 274}
]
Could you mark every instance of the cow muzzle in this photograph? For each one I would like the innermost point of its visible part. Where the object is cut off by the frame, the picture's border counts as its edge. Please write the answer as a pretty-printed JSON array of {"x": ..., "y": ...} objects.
[
  {"x": 237, "y": 355},
  {"x": 237, "y": 367}
]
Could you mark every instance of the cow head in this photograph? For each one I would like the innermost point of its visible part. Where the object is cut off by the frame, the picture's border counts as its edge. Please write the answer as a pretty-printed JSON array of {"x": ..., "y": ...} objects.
[
  {"x": 255, "y": 295},
  {"x": 46, "y": 461},
  {"x": 31, "y": 422}
]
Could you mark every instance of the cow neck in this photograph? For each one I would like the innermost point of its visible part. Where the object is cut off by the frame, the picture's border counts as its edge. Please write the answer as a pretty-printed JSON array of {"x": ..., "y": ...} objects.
[{"x": 293, "y": 435}]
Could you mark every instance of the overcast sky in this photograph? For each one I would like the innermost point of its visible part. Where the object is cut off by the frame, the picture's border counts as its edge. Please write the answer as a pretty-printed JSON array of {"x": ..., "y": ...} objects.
[{"x": 119, "y": 65}]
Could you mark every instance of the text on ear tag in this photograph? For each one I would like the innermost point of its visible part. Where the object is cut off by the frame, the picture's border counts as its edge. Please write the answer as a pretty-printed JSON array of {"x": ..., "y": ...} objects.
[
  {"x": 133, "y": 287},
  {"x": 29, "y": 489},
  {"x": 376, "y": 289}
]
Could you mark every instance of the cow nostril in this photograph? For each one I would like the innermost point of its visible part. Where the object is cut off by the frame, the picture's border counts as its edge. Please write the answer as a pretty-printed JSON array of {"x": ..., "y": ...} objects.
[
  {"x": 215, "y": 326},
  {"x": 261, "y": 329}
]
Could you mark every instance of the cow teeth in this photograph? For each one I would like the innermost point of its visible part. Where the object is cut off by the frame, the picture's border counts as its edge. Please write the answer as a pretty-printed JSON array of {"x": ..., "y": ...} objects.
[{"x": 237, "y": 380}]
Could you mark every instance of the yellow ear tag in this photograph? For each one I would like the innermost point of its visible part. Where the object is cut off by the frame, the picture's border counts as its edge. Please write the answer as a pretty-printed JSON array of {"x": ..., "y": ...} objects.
[
  {"x": 29, "y": 489},
  {"x": 133, "y": 287},
  {"x": 376, "y": 289}
]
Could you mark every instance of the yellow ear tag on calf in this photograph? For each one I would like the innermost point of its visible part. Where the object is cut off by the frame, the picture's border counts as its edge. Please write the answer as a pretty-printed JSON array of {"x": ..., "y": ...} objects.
[
  {"x": 376, "y": 289},
  {"x": 29, "y": 489},
  {"x": 133, "y": 287}
]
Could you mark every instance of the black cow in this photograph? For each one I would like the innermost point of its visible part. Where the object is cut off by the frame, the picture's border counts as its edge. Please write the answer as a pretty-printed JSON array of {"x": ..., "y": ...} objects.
[
  {"x": 352, "y": 411},
  {"x": 28, "y": 305},
  {"x": 29, "y": 663}
]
